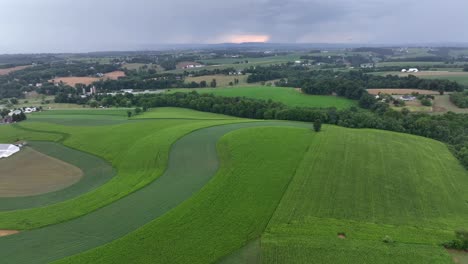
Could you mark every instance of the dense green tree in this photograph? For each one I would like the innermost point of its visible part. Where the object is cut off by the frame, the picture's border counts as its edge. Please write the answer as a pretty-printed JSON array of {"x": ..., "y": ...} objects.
[{"x": 317, "y": 125}]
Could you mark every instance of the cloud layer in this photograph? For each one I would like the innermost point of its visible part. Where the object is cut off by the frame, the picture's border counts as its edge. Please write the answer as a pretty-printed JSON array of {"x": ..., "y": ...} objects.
[{"x": 87, "y": 25}]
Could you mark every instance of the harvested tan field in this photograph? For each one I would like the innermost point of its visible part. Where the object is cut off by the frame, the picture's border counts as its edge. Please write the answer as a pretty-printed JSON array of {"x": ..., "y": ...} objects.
[
  {"x": 8, "y": 232},
  {"x": 114, "y": 75},
  {"x": 30, "y": 172},
  {"x": 8, "y": 70},
  {"x": 72, "y": 81},
  {"x": 376, "y": 91}
]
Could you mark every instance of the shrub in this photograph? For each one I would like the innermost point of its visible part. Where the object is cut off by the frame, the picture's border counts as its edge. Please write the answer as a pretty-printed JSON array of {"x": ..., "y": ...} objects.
[
  {"x": 317, "y": 125},
  {"x": 388, "y": 239},
  {"x": 460, "y": 242}
]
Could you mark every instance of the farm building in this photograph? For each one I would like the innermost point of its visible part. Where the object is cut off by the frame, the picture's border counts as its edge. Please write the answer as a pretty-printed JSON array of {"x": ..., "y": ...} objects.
[
  {"x": 367, "y": 65},
  {"x": 413, "y": 70},
  {"x": 6, "y": 150},
  {"x": 407, "y": 98}
]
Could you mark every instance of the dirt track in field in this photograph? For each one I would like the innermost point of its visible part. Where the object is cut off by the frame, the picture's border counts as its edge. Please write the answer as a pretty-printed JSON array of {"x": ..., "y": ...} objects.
[
  {"x": 72, "y": 81},
  {"x": 30, "y": 172},
  {"x": 8, "y": 70},
  {"x": 8, "y": 232}
]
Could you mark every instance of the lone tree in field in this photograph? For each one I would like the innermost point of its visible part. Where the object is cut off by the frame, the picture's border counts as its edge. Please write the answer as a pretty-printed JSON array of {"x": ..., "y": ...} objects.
[
  {"x": 129, "y": 114},
  {"x": 213, "y": 83},
  {"x": 317, "y": 125}
]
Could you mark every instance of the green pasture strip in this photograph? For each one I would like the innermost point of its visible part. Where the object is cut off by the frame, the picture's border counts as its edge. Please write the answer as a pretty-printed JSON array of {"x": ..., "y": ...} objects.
[
  {"x": 193, "y": 161},
  {"x": 179, "y": 113},
  {"x": 82, "y": 117},
  {"x": 287, "y": 96},
  {"x": 233, "y": 208},
  {"x": 308, "y": 249},
  {"x": 95, "y": 173},
  {"x": 248, "y": 254},
  {"x": 139, "y": 151},
  {"x": 11, "y": 133}
]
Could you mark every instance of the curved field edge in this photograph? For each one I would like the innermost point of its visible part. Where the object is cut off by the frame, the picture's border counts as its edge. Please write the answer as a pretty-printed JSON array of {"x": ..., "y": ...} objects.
[
  {"x": 217, "y": 219},
  {"x": 152, "y": 201},
  {"x": 96, "y": 172},
  {"x": 139, "y": 152}
]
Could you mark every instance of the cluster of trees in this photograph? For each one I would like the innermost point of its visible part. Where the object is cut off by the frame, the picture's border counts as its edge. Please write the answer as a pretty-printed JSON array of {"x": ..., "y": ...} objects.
[
  {"x": 450, "y": 128},
  {"x": 162, "y": 82},
  {"x": 460, "y": 99}
]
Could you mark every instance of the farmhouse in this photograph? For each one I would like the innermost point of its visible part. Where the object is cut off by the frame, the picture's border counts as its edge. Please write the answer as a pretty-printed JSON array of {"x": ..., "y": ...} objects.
[
  {"x": 6, "y": 150},
  {"x": 367, "y": 65},
  {"x": 407, "y": 98}
]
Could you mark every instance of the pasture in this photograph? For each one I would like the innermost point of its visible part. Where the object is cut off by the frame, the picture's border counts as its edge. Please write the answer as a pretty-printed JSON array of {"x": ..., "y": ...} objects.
[
  {"x": 197, "y": 187},
  {"x": 179, "y": 113},
  {"x": 287, "y": 96}
]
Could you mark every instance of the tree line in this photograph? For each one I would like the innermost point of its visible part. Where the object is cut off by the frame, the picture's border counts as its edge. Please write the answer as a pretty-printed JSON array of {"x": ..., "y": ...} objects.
[{"x": 450, "y": 128}]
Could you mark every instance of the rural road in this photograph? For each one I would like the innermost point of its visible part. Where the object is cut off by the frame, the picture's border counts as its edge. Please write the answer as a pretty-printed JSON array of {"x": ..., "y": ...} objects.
[{"x": 193, "y": 161}]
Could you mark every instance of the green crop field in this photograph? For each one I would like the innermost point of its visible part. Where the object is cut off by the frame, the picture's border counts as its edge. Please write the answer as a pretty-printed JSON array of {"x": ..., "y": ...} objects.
[
  {"x": 194, "y": 187},
  {"x": 179, "y": 113},
  {"x": 288, "y": 96}
]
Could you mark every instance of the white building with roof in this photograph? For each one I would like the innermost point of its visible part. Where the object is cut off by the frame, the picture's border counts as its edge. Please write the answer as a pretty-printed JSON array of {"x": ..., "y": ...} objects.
[{"x": 6, "y": 150}]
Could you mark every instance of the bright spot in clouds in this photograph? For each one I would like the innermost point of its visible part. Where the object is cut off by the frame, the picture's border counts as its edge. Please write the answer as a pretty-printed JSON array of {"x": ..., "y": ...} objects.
[{"x": 245, "y": 38}]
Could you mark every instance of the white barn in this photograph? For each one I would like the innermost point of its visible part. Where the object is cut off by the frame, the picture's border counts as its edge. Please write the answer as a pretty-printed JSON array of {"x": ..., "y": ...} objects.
[{"x": 6, "y": 150}]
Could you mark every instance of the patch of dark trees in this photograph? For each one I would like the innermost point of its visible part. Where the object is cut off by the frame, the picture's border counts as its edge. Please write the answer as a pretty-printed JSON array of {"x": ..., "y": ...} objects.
[
  {"x": 460, "y": 99},
  {"x": 353, "y": 84}
]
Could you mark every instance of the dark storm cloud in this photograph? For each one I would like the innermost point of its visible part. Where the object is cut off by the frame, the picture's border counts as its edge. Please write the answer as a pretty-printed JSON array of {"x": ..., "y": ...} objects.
[{"x": 66, "y": 25}]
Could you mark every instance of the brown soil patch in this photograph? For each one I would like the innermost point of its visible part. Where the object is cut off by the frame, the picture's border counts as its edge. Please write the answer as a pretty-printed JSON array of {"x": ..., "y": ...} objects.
[
  {"x": 458, "y": 256},
  {"x": 8, "y": 232},
  {"x": 30, "y": 172},
  {"x": 341, "y": 235},
  {"x": 72, "y": 81},
  {"x": 376, "y": 91},
  {"x": 9, "y": 70}
]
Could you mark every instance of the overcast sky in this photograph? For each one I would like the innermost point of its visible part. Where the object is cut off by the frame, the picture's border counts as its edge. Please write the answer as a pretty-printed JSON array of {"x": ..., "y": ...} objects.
[{"x": 96, "y": 25}]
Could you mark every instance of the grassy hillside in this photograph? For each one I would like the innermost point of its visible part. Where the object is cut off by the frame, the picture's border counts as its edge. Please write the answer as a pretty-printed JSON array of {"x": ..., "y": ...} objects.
[
  {"x": 288, "y": 96},
  {"x": 231, "y": 209},
  {"x": 367, "y": 184}
]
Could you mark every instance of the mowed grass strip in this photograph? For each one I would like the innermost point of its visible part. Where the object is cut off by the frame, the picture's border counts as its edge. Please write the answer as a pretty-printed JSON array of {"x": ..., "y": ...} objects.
[
  {"x": 179, "y": 113},
  {"x": 233, "y": 208},
  {"x": 96, "y": 172},
  {"x": 288, "y": 96},
  {"x": 82, "y": 117}
]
